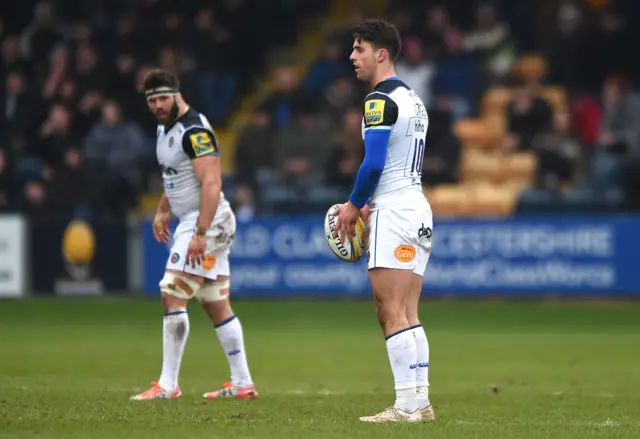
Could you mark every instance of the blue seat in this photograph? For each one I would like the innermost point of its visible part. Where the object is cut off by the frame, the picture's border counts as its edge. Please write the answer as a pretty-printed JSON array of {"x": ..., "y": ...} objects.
[{"x": 535, "y": 200}]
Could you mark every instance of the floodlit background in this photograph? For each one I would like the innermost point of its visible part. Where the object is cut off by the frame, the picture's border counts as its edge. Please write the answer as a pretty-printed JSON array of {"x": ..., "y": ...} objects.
[{"x": 532, "y": 169}]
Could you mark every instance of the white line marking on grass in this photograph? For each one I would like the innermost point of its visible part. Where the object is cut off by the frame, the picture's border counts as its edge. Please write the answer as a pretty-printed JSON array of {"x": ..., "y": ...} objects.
[{"x": 609, "y": 423}]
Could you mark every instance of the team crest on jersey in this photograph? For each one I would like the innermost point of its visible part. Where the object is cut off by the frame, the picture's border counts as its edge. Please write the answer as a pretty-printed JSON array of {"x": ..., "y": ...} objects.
[
  {"x": 175, "y": 258},
  {"x": 374, "y": 111},
  {"x": 201, "y": 144},
  {"x": 171, "y": 142}
]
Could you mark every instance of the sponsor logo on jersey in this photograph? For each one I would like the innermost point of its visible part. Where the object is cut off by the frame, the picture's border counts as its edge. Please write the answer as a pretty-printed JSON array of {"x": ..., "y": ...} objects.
[
  {"x": 201, "y": 144},
  {"x": 425, "y": 232},
  {"x": 168, "y": 170},
  {"x": 405, "y": 253},
  {"x": 374, "y": 111},
  {"x": 209, "y": 262}
]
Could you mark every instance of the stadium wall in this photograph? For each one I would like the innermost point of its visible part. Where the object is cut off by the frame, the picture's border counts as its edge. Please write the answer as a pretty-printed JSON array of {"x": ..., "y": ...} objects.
[
  {"x": 541, "y": 256},
  {"x": 280, "y": 257}
]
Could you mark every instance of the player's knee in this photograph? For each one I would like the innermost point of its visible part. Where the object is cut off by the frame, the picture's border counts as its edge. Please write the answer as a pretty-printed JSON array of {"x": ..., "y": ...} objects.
[
  {"x": 178, "y": 286},
  {"x": 214, "y": 292},
  {"x": 391, "y": 314}
]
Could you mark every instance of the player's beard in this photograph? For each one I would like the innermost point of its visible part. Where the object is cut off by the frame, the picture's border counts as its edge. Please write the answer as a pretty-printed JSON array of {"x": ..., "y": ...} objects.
[
  {"x": 172, "y": 116},
  {"x": 174, "y": 110}
]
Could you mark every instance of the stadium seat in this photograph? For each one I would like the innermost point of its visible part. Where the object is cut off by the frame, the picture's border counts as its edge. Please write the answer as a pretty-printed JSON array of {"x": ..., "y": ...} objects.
[
  {"x": 520, "y": 166},
  {"x": 480, "y": 166},
  {"x": 536, "y": 200},
  {"x": 474, "y": 132},
  {"x": 490, "y": 200},
  {"x": 606, "y": 169},
  {"x": 320, "y": 198},
  {"x": 497, "y": 124},
  {"x": 448, "y": 200},
  {"x": 280, "y": 197}
]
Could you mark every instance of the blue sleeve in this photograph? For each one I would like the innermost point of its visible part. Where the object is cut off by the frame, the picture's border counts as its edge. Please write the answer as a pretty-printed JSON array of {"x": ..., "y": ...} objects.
[{"x": 375, "y": 155}]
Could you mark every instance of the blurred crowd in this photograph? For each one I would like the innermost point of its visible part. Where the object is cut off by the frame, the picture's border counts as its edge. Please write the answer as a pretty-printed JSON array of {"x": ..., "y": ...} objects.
[
  {"x": 76, "y": 136},
  {"x": 303, "y": 147}
]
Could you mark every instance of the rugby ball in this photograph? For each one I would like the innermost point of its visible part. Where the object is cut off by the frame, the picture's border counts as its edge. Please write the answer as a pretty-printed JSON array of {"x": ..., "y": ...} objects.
[{"x": 350, "y": 250}]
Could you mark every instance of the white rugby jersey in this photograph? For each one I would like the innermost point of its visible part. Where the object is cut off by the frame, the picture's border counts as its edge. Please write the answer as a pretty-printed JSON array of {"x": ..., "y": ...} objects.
[
  {"x": 188, "y": 138},
  {"x": 396, "y": 107}
]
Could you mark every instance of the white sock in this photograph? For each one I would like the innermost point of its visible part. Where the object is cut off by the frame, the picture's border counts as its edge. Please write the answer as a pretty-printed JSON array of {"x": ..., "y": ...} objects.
[
  {"x": 401, "y": 347},
  {"x": 231, "y": 338},
  {"x": 175, "y": 330},
  {"x": 422, "y": 371}
]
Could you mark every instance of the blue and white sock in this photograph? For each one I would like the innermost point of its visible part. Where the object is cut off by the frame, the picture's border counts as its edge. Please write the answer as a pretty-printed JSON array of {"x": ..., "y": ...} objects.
[
  {"x": 401, "y": 347},
  {"x": 231, "y": 338},
  {"x": 422, "y": 371},
  {"x": 175, "y": 330}
]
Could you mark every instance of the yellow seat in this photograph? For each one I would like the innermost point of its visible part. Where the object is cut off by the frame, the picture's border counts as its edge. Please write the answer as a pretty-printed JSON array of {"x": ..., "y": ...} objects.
[
  {"x": 473, "y": 131},
  {"x": 519, "y": 166},
  {"x": 480, "y": 166},
  {"x": 448, "y": 200},
  {"x": 489, "y": 200}
]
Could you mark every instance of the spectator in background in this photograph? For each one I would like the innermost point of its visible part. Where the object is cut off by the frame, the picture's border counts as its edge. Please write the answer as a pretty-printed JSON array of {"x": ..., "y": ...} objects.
[
  {"x": 7, "y": 183},
  {"x": 454, "y": 84},
  {"x": 254, "y": 158},
  {"x": 329, "y": 66},
  {"x": 621, "y": 123},
  {"x": 443, "y": 152},
  {"x": 587, "y": 118},
  {"x": 612, "y": 45},
  {"x": 417, "y": 69},
  {"x": 437, "y": 29},
  {"x": 490, "y": 41},
  {"x": 527, "y": 115},
  {"x": 34, "y": 201},
  {"x": 71, "y": 190},
  {"x": 114, "y": 148},
  {"x": 16, "y": 107},
  {"x": 347, "y": 151},
  {"x": 59, "y": 68},
  {"x": 54, "y": 138},
  {"x": 11, "y": 58},
  {"x": 344, "y": 35},
  {"x": 401, "y": 19},
  {"x": 280, "y": 102},
  {"x": 39, "y": 37},
  {"x": 216, "y": 85},
  {"x": 341, "y": 94},
  {"x": 560, "y": 155},
  {"x": 90, "y": 71},
  {"x": 620, "y": 134},
  {"x": 300, "y": 148},
  {"x": 89, "y": 111},
  {"x": 568, "y": 49}
]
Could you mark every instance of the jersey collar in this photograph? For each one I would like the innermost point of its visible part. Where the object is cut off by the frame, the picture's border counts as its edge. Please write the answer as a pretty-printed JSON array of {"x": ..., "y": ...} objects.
[
  {"x": 393, "y": 78},
  {"x": 167, "y": 128}
]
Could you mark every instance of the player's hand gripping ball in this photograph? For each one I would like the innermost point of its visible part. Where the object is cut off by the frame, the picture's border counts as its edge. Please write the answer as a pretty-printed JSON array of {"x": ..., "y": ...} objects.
[{"x": 352, "y": 249}]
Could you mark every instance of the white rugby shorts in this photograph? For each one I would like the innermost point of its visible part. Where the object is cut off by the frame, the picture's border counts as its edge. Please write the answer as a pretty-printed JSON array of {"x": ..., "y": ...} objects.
[
  {"x": 400, "y": 239},
  {"x": 219, "y": 240}
]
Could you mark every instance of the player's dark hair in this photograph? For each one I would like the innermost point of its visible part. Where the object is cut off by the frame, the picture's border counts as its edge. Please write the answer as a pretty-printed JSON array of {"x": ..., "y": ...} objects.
[
  {"x": 159, "y": 78},
  {"x": 381, "y": 35}
]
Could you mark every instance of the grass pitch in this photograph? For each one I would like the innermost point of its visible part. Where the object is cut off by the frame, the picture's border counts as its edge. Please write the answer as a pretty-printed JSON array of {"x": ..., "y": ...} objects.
[{"x": 512, "y": 371}]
